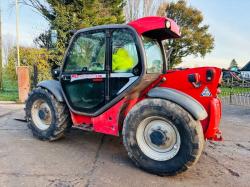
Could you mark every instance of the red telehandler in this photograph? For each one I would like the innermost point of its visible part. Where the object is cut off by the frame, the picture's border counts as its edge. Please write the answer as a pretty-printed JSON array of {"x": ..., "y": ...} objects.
[{"x": 114, "y": 80}]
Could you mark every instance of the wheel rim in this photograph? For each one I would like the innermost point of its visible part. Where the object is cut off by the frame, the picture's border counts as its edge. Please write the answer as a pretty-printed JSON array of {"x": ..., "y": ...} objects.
[
  {"x": 41, "y": 114},
  {"x": 158, "y": 138}
]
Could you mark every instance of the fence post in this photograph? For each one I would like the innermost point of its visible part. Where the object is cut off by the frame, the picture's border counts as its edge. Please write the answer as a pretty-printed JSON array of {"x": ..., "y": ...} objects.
[
  {"x": 231, "y": 91},
  {"x": 230, "y": 98}
]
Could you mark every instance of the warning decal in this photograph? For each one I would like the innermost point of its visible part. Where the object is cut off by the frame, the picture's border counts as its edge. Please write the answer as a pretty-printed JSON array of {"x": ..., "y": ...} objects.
[{"x": 206, "y": 92}]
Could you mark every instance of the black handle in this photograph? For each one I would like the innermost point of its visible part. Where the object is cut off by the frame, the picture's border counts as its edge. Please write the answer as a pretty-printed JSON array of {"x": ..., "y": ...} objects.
[{"x": 66, "y": 77}]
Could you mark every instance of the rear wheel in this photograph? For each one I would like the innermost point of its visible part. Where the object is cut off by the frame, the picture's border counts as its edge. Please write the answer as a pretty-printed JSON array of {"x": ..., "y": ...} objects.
[
  {"x": 47, "y": 118},
  {"x": 161, "y": 137}
]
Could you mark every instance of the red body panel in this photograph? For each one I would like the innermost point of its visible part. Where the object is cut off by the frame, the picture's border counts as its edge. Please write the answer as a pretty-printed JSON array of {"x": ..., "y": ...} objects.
[
  {"x": 106, "y": 123},
  {"x": 213, "y": 131},
  {"x": 146, "y": 24},
  {"x": 211, "y": 103},
  {"x": 80, "y": 119}
]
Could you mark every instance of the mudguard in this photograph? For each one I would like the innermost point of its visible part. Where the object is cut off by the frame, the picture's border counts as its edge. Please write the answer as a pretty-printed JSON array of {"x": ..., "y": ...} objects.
[
  {"x": 182, "y": 99},
  {"x": 54, "y": 87}
]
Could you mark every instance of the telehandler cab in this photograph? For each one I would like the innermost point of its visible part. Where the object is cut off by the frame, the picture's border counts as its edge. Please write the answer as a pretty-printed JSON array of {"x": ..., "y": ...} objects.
[{"x": 114, "y": 80}]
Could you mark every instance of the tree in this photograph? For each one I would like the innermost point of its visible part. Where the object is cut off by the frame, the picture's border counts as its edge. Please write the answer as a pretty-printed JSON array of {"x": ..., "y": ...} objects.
[
  {"x": 161, "y": 11},
  {"x": 66, "y": 15},
  {"x": 29, "y": 57},
  {"x": 233, "y": 64},
  {"x": 135, "y": 9},
  {"x": 43, "y": 40},
  {"x": 195, "y": 40}
]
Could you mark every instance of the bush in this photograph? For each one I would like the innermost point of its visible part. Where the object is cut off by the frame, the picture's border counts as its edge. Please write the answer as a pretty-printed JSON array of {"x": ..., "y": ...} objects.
[{"x": 29, "y": 57}]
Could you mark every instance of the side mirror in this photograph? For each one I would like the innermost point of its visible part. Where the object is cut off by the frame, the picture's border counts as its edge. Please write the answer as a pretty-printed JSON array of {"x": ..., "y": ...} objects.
[
  {"x": 210, "y": 75},
  {"x": 56, "y": 73}
]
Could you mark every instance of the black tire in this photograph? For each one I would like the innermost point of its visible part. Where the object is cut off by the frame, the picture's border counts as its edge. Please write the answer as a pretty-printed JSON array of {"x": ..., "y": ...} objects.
[
  {"x": 60, "y": 118},
  {"x": 190, "y": 131}
]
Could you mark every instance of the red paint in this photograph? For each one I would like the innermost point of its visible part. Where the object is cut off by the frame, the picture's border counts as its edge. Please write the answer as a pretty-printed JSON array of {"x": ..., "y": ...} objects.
[
  {"x": 182, "y": 84},
  {"x": 146, "y": 24},
  {"x": 213, "y": 131},
  {"x": 107, "y": 122},
  {"x": 131, "y": 103},
  {"x": 80, "y": 119}
]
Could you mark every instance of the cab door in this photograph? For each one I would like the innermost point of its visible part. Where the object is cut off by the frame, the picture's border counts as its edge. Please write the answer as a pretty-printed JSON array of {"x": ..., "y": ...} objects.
[
  {"x": 125, "y": 62},
  {"x": 84, "y": 73}
]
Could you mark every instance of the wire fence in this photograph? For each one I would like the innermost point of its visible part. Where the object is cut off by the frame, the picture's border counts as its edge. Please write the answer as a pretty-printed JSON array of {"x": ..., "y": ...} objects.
[
  {"x": 242, "y": 99},
  {"x": 236, "y": 91}
]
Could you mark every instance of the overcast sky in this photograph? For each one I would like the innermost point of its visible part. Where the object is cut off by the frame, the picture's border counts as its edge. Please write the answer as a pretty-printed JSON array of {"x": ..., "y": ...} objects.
[{"x": 228, "y": 20}]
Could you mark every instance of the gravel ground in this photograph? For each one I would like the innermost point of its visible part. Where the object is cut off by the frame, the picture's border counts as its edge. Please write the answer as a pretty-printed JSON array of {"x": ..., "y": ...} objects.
[{"x": 91, "y": 159}]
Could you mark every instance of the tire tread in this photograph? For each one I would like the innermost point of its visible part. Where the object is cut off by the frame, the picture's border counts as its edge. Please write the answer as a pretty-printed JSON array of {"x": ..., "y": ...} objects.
[
  {"x": 62, "y": 117},
  {"x": 195, "y": 128}
]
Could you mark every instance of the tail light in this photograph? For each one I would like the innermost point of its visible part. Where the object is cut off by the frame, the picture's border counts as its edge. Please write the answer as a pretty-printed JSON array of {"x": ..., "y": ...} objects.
[
  {"x": 210, "y": 75},
  {"x": 194, "y": 79}
]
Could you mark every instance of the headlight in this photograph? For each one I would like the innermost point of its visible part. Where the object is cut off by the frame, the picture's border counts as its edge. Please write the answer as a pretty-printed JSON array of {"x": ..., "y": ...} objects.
[{"x": 168, "y": 24}]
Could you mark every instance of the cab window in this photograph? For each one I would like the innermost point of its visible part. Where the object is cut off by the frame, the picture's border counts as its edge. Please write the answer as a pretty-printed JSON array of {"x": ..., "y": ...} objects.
[
  {"x": 125, "y": 61},
  {"x": 87, "y": 53},
  {"x": 154, "y": 55}
]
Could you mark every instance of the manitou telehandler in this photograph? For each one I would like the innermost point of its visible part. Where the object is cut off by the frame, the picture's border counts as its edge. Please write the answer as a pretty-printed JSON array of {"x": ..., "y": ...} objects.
[{"x": 114, "y": 80}]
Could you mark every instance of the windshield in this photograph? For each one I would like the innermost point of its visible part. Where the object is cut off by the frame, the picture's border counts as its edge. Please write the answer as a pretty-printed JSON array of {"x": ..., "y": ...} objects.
[{"x": 154, "y": 55}]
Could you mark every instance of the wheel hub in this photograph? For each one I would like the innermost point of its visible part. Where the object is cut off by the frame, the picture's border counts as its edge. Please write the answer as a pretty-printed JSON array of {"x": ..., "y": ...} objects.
[
  {"x": 158, "y": 137},
  {"x": 41, "y": 114}
]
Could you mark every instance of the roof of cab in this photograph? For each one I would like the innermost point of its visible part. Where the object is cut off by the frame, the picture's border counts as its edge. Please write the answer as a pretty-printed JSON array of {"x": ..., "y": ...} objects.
[
  {"x": 157, "y": 26},
  {"x": 152, "y": 26}
]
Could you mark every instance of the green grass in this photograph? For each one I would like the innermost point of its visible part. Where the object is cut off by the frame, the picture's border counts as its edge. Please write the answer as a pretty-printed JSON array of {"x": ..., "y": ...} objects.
[
  {"x": 9, "y": 84},
  {"x": 9, "y": 92},
  {"x": 8, "y": 95},
  {"x": 225, "y": 91}
]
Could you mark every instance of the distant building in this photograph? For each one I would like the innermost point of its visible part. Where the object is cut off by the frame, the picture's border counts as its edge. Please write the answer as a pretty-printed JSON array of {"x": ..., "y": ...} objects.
[{"x": 245, "y": 71}]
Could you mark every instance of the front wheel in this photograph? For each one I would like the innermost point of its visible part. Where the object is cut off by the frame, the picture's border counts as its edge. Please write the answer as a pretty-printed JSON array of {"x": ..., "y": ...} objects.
[
  {"x": 161, "y": 137},
  {"x": 47, "y": 118}
]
